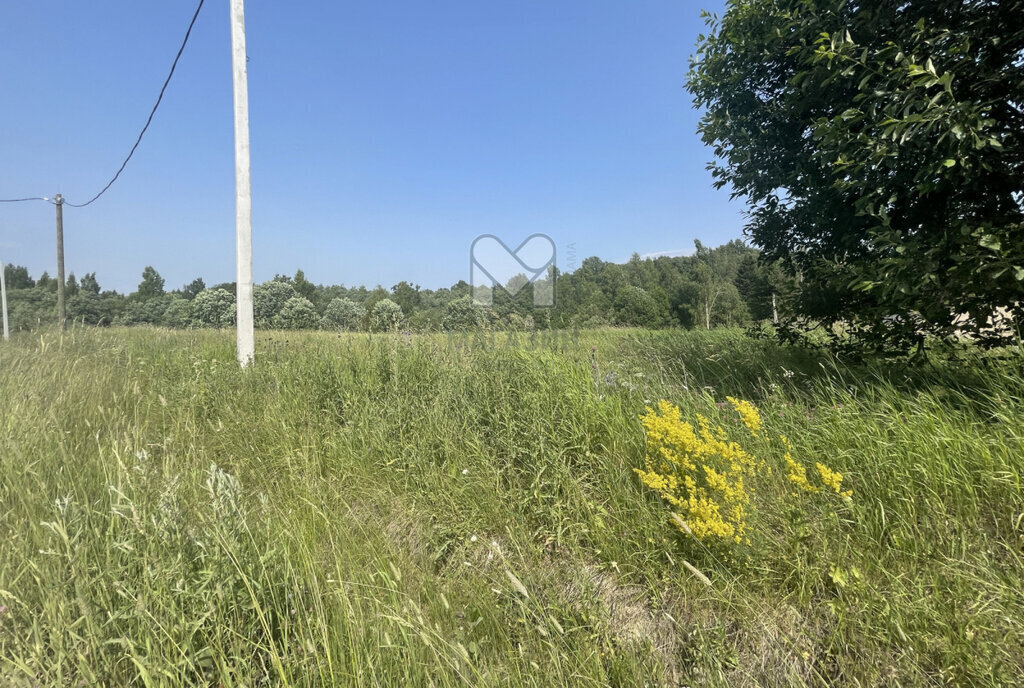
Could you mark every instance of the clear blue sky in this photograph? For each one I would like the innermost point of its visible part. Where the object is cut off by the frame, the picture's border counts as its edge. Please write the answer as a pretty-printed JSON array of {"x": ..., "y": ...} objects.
[{"x": 386, "y": 135}]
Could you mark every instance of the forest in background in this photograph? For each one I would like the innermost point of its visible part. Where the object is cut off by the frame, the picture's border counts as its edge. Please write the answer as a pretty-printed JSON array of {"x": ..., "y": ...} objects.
[{"x": 727, "y": 285}]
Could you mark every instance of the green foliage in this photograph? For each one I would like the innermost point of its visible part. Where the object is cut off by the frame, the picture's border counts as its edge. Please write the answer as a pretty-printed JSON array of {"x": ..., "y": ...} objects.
[
  {"x": 190, "y": 290},
  {"x": 297, "y": 314},
  {"x": 17, "y": 277},
  {"x": 462, "y": 314},
  {"x": 344, "y": 314},
  {"x": 89, "y": 285},
  {"x": 178, "y": 313},
  {"x": 71, "y": 285},
  {"x": 213, "y": 308},
  {"x": 88, "y": 308},
  {"x": 407, "y": 296},
  {"x": 151, "y": 286},
  {"x": 148, "y": 312},
  {"x": 879, "y": 148},
  {"x": 32, "y": 308},
  {"x": 634, "y": 306},
  {"x": 661, "y": 292},
  {"x": 385, "y": 316},
  {"x": 268, "y": 300},
  {"x": 304, "y": 287}
]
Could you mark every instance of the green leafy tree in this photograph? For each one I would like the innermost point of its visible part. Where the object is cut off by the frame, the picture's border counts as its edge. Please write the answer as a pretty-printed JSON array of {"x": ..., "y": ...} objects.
[
  {"x": 386, "y": 315},
  {"x": 269, "y": 299},
  {"x": 151, "y": 286},
  {"x": 91, "y": 309},
  {"x": 711, "y": 283},
  {"x": 178, "y": 312},
  {"x": 378, "y": 293},
  {"x": 462, "y": 314},
  {"x": 634, "y": 306},
  {"x": 213, "y": 308},
  {"x": 71, "y": 285},
  {"x": 190, "y": 290},
  {"x": 344, "y": 314},
  {"x": 764, "y": 288},
  {"x": 31, "y": 308},
  {"x": 298, "y": 313},
  {"x": 148, "y": 312},
  {"x": 407, "y": 296},
  {"x": 89, "y": 285},
  {"x": 17, "y": 277},
  {"x": 304, "y": 287},
  {"x": 880, "y": 146}
]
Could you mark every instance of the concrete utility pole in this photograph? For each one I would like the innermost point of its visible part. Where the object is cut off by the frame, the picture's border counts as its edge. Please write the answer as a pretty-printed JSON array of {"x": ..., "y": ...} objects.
[
  {"x": 243, "y": 190},
  {"x": 62, "y": 314},
  {"x": 3, "y": 299}
]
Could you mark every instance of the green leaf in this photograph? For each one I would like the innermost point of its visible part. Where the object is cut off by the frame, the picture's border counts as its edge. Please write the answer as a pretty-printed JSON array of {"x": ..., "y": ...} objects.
[
  {"x": 990, "y": 242},
  {"x": 949, "y": 162}
]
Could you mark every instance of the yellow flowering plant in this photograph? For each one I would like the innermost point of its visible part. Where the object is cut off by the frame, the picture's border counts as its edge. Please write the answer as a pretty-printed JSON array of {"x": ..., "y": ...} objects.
[
  {"x": 697, "y": 470},
  {"x": 707, "y": 478}
]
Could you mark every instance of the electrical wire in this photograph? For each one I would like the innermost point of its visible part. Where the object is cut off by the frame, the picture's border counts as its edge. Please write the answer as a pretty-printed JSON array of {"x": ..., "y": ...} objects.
[
  {"x": 21, "y": 200},
  {"x": 149, "y": 120}
]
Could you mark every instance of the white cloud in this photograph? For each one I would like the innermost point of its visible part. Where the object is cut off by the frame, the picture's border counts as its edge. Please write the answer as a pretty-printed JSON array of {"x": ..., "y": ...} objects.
[{"x": 673, "y": 253}]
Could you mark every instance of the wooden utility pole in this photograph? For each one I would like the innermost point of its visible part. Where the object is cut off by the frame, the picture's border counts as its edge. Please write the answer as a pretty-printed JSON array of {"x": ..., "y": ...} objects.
[
  {"x": 3, "y": 299},
  {"x": 246, "y": 343},
  {"x": 62, "y": 314}
]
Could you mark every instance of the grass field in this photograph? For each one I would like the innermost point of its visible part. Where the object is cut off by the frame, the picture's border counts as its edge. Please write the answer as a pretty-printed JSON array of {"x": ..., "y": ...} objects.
[{"x": 393, "y": 510}]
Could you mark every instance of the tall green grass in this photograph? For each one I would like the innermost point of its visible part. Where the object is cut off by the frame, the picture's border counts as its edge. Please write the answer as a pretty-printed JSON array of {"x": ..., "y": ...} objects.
[{"x": 394, "y": 510}]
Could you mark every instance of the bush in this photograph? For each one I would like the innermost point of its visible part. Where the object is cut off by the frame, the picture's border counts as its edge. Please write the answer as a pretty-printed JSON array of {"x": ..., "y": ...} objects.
[
  {"x": 462, "y": 314},
  {"x": 297, "y": 313},
  {"x": 90, "y": 309},
  {"x": 178, "y": 313},
  {"x": 213, "y": 308},
  {"x": 343, "y": 314},
  {"x": 386, "y": 315},
  {"x": 268, "y": 300},
  {"x": 146, "y": 312}
]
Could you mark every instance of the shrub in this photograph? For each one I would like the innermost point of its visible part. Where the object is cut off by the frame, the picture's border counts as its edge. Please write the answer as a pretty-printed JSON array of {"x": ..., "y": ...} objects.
[
  {"x": 462, "y": 314},
  {"x": 386, "y": 315},
  {"x": 213, "y": 308},
  {"x": 269, "y": 299},
  {"x": 344, "y": 314},
  {"x": 178, "y": 313},
  {"x": 297, "y": 313}
]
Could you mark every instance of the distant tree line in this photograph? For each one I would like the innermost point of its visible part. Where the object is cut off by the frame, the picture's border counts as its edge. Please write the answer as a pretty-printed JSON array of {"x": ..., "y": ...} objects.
[{"x": 727, "y": 285}]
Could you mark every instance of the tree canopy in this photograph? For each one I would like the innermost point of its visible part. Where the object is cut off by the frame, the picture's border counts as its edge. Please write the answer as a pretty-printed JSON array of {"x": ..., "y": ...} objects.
[
  {"x": 716, "y": 286},
  {"x": 879, "y": 147}
]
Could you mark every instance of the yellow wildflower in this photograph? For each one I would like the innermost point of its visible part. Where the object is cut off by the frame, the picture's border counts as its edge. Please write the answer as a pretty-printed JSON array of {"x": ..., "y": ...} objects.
[
  {"x": 748, "y": 414},
  {"x": 833, "y": 480},
  {"x": 797, "y": 474},
  {"x": 706, "y": 479},
  {"x": 698, "y": 471}
]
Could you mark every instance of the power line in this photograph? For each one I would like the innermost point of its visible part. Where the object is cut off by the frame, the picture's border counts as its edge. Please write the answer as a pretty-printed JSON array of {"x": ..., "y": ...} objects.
[
  {"x": 151, "y": 114},
  {"x": 21, "y": 200}
]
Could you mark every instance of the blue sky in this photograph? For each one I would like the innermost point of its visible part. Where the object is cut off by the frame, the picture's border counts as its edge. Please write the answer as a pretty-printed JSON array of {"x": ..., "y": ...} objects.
[{"x": 385, "y": 135}]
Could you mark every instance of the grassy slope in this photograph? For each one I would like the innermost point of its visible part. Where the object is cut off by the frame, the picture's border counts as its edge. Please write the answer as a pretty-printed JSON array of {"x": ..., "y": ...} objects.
[{"x": 388, "y": 511}]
